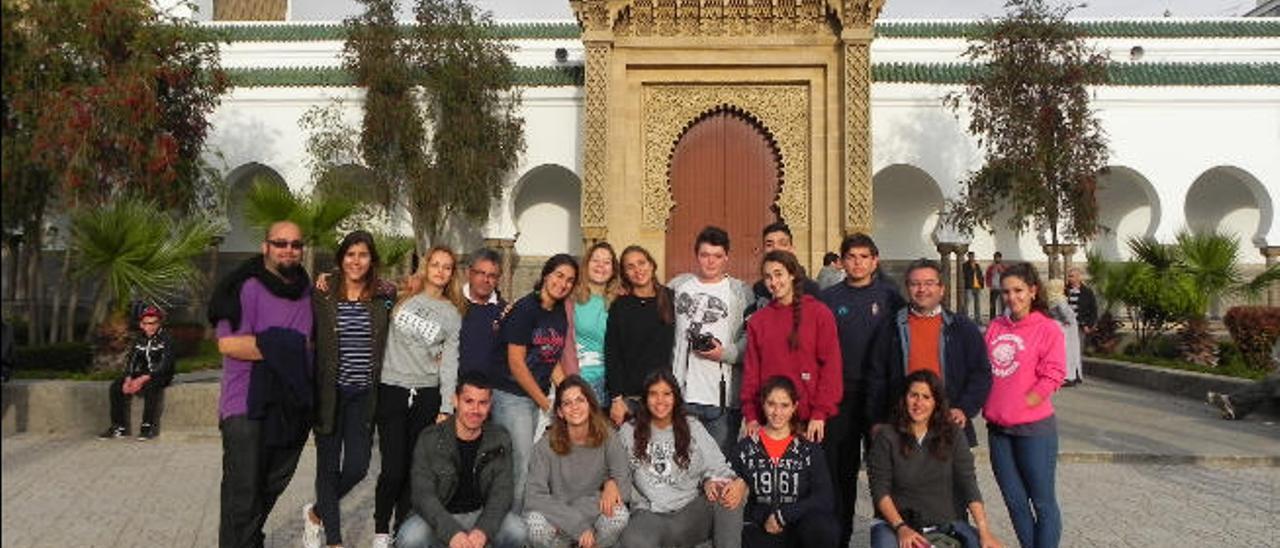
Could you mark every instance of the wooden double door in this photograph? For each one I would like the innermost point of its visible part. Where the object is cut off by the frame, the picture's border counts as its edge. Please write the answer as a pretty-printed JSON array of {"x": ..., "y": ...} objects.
[{"x": 725, "y": 172}]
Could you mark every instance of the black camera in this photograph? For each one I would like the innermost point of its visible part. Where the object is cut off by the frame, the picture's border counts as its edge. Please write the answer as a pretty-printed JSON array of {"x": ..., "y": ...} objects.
[{"x": 699, "y": 341}]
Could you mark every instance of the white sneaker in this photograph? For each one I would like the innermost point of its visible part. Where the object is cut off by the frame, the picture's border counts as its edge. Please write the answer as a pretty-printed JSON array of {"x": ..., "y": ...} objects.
[
  {"x": 312, "y": 532},
  {"x": 383, "y": 540}
]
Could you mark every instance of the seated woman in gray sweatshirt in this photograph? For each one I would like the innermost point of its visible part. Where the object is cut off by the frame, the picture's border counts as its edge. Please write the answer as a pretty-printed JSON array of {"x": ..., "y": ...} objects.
[
  {"x": 578, "y": 475},
  {"x": 685, "y": 493}
]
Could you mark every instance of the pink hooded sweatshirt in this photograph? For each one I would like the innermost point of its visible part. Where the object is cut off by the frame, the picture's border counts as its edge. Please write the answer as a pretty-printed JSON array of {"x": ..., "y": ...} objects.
[{"x": 1028, "y": 355}]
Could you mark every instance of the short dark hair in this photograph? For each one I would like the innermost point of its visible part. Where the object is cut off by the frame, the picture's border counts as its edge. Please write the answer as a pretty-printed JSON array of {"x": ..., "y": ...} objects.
[
  {"x": 485, "y": 254},
  {"x": 712, "y": 235},
  {"x": 998, "y": 255},
  {"x": 474, "y": 379},
  {"x": 830, "y": 257},
  {"x": 858, "y": 239},
  {"x": 923, "y": 263},
  {"x": 776, "y": 227},
  {"x": 970, "y": 254}
]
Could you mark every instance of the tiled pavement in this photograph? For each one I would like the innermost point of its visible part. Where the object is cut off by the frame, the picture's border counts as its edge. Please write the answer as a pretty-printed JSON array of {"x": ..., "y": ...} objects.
[{"x": 1126, "y": 478}]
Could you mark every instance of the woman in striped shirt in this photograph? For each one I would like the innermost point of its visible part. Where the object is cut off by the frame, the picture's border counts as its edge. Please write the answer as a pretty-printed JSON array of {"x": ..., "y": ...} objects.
[
  {"x": 351, "y": 331},
  {"x": 418, "y": 377}
]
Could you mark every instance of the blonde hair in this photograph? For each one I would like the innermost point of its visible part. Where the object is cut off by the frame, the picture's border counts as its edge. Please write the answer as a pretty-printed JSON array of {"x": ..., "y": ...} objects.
[
  {"x": 451, "y": 292},
  {"x": 582, "y": 290},
  {"x": 1055, "y": 291}
]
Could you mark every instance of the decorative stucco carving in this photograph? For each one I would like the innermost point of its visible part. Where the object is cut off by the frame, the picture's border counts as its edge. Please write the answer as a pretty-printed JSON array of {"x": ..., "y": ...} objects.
[
  {"x": 857, "y": 137},
  {"x": 596, "y": 135},
  {"x": 669, "y": 110},
  {"x": 721, "y": 18},
  {"x": 860, "y": 13}
]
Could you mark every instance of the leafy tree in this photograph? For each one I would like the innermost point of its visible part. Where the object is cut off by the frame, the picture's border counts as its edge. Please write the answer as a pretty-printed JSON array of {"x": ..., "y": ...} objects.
[
  {"x": 1029, "y": 108},
  {"x": 477, "y": 135},
  {"x": 393, "y": 132},
  {"x": 102, "y": 99},
  {"x": 452, "y": 72}
]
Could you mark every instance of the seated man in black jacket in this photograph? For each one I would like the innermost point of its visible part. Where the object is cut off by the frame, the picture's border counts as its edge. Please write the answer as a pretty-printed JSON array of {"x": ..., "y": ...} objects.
[
  {"x": 462, "y": 478},
  {"x": 148, "y": 370}
]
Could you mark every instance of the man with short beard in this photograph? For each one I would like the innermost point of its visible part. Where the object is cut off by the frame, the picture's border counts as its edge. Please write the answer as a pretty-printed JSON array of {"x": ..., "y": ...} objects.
[{"x": 261, "y": 308}]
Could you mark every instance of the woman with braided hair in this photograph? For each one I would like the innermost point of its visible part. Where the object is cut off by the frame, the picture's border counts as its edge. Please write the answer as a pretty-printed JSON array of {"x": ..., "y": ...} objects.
[{"x": 794, "y": 337}]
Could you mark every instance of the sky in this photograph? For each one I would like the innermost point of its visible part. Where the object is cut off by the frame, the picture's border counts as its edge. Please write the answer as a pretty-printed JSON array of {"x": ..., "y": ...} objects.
[{"x": 894, "y": 9}]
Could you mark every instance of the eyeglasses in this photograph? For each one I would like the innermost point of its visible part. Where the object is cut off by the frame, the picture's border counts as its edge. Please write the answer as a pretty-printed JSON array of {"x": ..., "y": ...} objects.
[
  {"x": 924, "y": 283},
  {"x": 281, "y": 244},
  {"x": 489, "y": 275},
  {"x": 150, "y": 322}
]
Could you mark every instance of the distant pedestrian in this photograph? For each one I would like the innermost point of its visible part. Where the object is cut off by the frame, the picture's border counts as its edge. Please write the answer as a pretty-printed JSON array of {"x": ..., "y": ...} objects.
[
  {"x": 1028, "y": 354},
  {"x": 148, "y": 370},
  {"x": 971, "y": 273},
  {"x": 1062, "y": 312},
  {"x": 1083, "y": 303},
  {"x": 994, "y": 271},
  {"x": 831, "y": 273}
]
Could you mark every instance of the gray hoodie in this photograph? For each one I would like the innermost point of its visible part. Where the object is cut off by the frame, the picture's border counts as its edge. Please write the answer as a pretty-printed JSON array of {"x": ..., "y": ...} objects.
[
  {"x": 660, "y": 485},
  {"x": 422, "y": 347}
]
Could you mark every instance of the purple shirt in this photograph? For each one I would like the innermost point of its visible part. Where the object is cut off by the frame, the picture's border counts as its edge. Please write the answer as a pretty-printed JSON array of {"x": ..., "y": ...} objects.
[{"x": 259, "y": 311}]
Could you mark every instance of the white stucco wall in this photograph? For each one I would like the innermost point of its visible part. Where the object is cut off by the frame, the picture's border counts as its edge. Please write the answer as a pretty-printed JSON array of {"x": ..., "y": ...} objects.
[{"x": 1162, "y": 140}]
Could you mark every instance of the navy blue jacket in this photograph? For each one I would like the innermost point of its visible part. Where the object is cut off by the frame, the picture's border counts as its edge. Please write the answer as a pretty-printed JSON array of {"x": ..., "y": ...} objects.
[
  {"x": 966, "y": 371},
  {"x": 281, "y": 388},
  {"x": 797, "y": 486},
  {"x": 859, "y": 312}
]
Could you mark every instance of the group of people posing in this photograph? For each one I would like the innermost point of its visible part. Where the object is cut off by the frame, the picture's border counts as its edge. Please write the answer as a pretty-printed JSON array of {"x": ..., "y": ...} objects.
[{"x": 606, "y": 408}]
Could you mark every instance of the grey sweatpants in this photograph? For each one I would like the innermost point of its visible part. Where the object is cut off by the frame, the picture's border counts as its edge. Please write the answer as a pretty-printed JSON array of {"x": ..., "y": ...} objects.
[{"x": 697, "y": 522}]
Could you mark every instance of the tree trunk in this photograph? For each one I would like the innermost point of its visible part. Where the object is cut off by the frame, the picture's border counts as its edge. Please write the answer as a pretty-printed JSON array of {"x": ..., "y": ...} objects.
[
  {"x": 13, "y": 250},
  {"x": 34, "y": 334},
  {"x": 101, "y": 301},
  {"x": 110, "y": 343},
  {"x": 55, "y": 306},
  {"x": 73, "y": 302}
]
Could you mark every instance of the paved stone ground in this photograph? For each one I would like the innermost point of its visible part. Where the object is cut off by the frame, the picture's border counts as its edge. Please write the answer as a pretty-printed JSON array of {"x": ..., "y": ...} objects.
[{"x": 1138, "y": 469}]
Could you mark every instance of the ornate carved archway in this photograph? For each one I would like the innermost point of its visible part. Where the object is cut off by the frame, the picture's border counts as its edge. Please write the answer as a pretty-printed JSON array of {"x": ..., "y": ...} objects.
[{"x": 802, "y": 68}]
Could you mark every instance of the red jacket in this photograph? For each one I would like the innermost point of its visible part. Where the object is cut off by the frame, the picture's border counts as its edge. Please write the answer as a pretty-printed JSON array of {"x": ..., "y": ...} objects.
[{"x": 815, "y": 367}]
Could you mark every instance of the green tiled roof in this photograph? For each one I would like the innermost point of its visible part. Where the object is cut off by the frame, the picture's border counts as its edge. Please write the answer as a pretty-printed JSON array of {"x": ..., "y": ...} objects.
[
  {"x": 338, "y": 77},
  {"x": 333, "y": 31},
  {"x": 1120, "y": 74},
  {"x": 1155, "y": 28},
  {"x": 1241, "y": 28}
]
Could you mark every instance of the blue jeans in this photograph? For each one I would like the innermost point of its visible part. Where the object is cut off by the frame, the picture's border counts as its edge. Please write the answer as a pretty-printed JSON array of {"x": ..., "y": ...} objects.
[
  {"x": 417, "y": 533},
  {"x": 973, "y": 300},
  {"x": 519, "y": 416},
  {"x": 883, "y": 536},
  {"x": 1024, "y": 467},
  {"x": 723, "y": 423}
]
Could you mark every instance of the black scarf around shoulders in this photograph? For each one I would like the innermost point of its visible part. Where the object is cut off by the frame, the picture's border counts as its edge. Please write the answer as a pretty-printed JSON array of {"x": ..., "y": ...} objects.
[{"x": 224, "y": 304}]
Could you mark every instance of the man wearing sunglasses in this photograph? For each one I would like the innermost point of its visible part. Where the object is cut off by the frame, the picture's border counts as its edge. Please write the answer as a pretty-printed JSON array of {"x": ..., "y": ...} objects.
[{"x": 262, "y": 314}]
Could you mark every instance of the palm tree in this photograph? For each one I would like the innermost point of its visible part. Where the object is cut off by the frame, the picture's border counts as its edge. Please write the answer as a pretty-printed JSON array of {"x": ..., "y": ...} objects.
[
  {"x": 1208, "y": 270},
  {"x": 317, "y": 216},
  {"x": 137, "y": 251}
]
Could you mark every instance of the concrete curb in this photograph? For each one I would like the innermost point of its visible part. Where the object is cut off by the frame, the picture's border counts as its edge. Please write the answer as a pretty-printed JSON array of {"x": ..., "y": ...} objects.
[
  {"x": 1187, "y": 384},
  {"x": 81, "y": 407}
]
